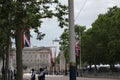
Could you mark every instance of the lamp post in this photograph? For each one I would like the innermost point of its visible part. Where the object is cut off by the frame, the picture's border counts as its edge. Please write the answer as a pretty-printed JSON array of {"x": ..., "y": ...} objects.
[
  {"x": 80, "y": 56},
  {"x": 54, "y": 59},
  {"x": 72, "y": 41}
]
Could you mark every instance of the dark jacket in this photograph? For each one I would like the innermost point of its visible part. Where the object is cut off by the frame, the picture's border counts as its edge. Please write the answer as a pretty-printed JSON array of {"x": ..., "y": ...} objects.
[
  {"x": 41, "y": 75},
  {"x": 33, "y": 75}
]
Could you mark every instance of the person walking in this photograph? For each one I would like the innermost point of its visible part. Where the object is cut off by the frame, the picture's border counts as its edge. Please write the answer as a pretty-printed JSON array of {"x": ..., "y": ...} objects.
[
  {"x": 33, "y": 75},
  {"x": 15, "y": 73},
  {"x": 41, "y": 75}
]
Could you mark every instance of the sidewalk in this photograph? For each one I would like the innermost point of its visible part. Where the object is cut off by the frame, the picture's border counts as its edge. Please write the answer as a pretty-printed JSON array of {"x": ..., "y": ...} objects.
[
  {"x": 62, "y": 77},
  {"x": 27, "y": 76}
]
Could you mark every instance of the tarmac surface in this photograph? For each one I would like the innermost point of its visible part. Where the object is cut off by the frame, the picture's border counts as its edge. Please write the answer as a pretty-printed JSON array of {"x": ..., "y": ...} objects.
[{"x": 62, "y": 77}]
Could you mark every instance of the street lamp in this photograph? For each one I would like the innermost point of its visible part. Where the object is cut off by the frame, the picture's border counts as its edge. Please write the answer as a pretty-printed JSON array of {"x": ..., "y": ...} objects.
[{"x": 54, "y": 59}]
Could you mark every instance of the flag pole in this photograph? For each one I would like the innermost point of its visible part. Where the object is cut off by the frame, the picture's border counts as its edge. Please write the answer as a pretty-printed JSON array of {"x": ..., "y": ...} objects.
[{"x": 72, "y": 41}]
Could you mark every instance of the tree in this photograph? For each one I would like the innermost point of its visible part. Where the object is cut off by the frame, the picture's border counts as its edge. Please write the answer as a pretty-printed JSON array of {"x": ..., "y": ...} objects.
[
  {"x": 114, "y": 34},
  {"x": 100, "y": 43},
  {"x": 5, "y": 34},
  {"x": 24, "y": 14},
  {"x": 108, "y": 26},
  {"x": 87, "y": 45}
]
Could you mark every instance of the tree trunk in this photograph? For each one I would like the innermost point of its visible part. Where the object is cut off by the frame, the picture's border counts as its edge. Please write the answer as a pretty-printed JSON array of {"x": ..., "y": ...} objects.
[
  {"x": 7, "y": 56},
  {"x": 6, "y": 63},
  {"x": 3, "y": 67},
  {"x": 18, "y": 40}
]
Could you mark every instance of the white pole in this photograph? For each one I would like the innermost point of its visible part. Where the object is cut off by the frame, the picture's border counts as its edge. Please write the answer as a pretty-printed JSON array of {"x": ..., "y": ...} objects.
[
  {"x": 80, "y": 55},
  {"x": 72, "y": 41},
  {"x": 55, "y": 52}
]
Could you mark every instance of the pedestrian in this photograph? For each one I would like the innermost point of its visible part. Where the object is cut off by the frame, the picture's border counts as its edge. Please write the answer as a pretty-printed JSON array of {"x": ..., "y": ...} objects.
[
  {"x": 10, "y": 74},
  {"x": 33, "y": 75},
  {"x": 2, "y": 70},
  {"x": 41, "y": 75},
  {"x": 15, "y": 73}
]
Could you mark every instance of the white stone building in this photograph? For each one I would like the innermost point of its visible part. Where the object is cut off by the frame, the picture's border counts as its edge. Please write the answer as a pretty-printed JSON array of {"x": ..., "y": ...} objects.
[
  {"x": 62, "y": 61},
  {"x": 35, "y": 57}
]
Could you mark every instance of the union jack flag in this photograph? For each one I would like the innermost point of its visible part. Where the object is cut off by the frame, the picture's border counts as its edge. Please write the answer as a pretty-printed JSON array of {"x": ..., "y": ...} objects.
[
  {"x": 25, "y": 40},
  {"x": 77, "y": 48}
]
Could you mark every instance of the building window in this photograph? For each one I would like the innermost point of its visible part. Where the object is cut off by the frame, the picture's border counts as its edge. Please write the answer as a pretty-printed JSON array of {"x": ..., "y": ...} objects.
[
  {"x": 46, "y": 56},
  {"x": 35, "y": 56},
  {"x": 40, "y": 56},
  {"x": 43, "y": 55}
]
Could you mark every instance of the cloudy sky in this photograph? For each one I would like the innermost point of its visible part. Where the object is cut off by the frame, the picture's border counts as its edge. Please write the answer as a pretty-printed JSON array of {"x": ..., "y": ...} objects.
[{"x": 85, "y": 13}]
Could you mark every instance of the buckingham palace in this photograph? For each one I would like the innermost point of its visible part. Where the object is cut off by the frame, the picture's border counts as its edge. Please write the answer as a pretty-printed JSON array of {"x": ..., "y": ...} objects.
[{"x": 35, "y": 57}]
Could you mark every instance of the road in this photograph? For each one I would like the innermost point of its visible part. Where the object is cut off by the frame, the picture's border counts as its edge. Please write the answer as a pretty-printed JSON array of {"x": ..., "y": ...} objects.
[{"x": 61, "y": 77}]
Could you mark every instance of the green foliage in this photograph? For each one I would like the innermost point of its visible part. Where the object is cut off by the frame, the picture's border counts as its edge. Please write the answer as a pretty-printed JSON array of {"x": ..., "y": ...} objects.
[
  {"x": 101, "y": 43},
  {"x": 17, "y": 16},
  {"x": 29, "y": 14},
  {"x": 62, "y": 15}
]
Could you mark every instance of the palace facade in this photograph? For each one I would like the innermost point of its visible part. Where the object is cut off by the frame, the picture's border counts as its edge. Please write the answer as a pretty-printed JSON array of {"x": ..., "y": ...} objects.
[{"x": 35, "y": 57}]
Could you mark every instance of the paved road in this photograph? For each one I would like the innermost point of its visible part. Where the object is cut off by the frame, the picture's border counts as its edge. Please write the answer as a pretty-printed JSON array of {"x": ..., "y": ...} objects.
[
  {"x": 61, "y": 77},
  {"x": 78, "y": 78}
]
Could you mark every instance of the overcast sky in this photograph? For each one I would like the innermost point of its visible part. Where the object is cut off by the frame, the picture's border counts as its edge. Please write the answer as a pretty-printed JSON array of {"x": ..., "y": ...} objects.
[{"x": 85, "y": 13}]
